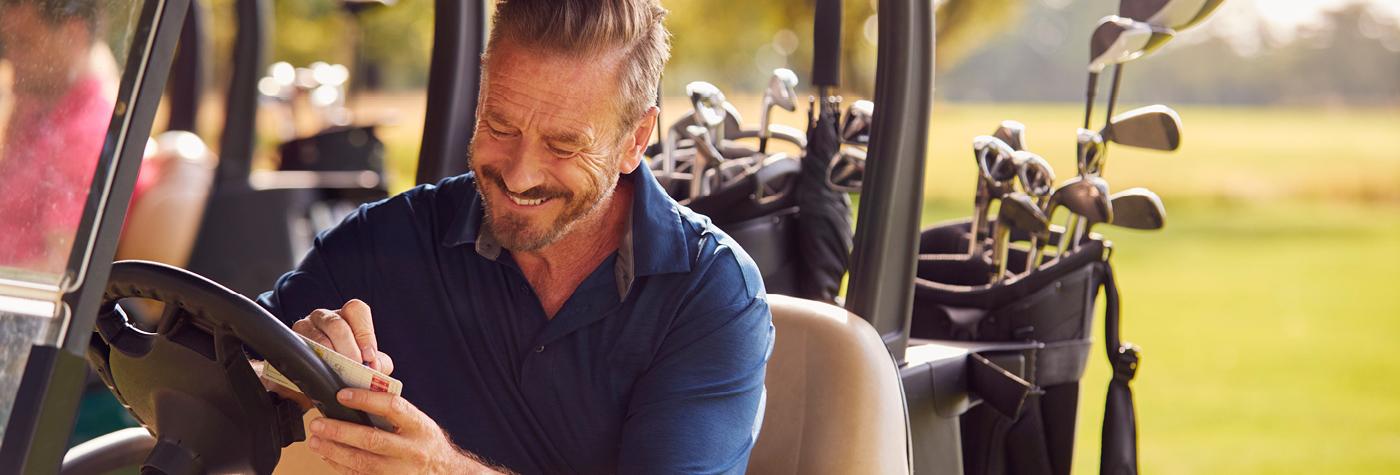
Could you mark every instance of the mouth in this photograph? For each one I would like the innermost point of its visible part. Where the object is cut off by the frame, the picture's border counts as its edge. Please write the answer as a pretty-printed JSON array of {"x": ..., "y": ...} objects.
[{"x": 526, "y": 203}]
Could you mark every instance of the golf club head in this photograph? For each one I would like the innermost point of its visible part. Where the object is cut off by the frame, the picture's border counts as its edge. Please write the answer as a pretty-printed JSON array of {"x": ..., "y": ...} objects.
[
  {"x": 1155, "y": 127},
  {"x": 701, "y": 136},
  {"x": 1119, "y": 40},
  {"x": 1013, "y": 133},
  {"x": 989, "y": 150},
  {"x": 1019, "y": 211},
  {"x": 1175, "y": 14},
  {"x": 1035, "y": 173},
  {"x": 1138, "y": 208},
  {"x": 782, "y": 89},
  {"x": 708, "y": 102},
  {"x": 1084, "y": 195},
  {"x": 1090, "y": 150},
  {"x": 855, "y": 126}
]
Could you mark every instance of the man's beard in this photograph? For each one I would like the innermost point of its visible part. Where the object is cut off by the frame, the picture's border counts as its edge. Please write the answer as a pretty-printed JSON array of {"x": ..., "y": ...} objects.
[{"x": 515, "y": 232}]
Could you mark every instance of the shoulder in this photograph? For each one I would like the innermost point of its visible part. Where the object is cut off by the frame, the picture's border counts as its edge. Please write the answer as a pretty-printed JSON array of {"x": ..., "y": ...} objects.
[{"x": 718, "y": 263}]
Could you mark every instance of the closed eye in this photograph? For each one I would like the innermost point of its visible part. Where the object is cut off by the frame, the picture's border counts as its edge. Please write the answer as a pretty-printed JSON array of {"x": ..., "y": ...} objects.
[{"x": 500, "y": 134}]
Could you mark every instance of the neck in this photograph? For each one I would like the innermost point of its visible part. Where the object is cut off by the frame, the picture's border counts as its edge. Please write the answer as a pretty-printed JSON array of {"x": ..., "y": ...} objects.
[{"x": 569, "y": 260}]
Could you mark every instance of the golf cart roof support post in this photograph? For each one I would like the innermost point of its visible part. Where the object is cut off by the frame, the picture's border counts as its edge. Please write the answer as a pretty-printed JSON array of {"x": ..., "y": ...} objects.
[
  {"x": 37, "y": 432},
  {"x": 881, "y": 288},
  {"x": 240, "y": 117},
  {"x": 459, "y": 37},
  {"x": 190, "y": 71}
]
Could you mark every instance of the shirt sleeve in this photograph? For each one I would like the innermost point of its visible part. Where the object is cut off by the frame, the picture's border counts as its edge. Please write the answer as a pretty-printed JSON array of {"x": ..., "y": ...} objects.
[
  {"x": 699, "y": 406},
  {"x": 329, "y": 275}
]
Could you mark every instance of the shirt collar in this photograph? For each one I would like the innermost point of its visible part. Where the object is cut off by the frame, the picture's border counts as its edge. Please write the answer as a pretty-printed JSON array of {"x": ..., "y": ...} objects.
[{"x": 655, "y": 216}]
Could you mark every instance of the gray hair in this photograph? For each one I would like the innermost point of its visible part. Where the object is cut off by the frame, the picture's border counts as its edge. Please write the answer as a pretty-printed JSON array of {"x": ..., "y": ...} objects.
[{"x": 590, "y": 28}]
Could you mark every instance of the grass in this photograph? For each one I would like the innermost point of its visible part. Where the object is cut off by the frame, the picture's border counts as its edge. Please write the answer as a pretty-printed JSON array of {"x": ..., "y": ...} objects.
[{"x": 1264, "y": 310}]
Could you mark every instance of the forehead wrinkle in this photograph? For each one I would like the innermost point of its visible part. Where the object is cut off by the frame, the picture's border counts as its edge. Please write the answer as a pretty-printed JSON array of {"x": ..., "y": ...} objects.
[{"x": 543, "y": 108}]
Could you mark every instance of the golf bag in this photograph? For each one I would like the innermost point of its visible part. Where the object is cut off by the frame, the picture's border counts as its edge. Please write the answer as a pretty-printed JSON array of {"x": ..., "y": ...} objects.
[{"x": 1051, "y": 308}]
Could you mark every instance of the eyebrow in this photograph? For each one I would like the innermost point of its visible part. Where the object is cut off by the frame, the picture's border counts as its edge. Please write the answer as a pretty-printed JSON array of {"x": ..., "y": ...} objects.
[
  {"x": 562, "y": 137},
  {"x": 495, "y": 116}
]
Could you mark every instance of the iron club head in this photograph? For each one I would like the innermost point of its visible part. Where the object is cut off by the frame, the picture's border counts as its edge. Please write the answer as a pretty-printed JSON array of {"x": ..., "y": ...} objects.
[
  {"x": 1155, "y": 127},
  {"x": 1138, "y": 208},
  {"x": 1119, "y": 40}
]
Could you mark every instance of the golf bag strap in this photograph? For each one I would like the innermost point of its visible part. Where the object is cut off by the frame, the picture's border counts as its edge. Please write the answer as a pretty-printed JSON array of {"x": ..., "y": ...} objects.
[{"x": 1119, "y": 455}]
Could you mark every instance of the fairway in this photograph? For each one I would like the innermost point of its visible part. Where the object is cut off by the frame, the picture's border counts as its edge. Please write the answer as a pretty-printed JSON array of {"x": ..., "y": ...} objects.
[{"x": 1263, "y": 310}]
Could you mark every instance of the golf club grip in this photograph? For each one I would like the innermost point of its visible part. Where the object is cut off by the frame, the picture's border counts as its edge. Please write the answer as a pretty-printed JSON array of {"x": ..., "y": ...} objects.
[{"x": 826, "y": 44}]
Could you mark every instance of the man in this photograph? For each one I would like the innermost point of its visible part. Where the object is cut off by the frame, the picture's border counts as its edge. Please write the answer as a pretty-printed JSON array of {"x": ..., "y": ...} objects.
[
  {"x": 553, "y": 311},
  {"x": 49, "y": 150}
]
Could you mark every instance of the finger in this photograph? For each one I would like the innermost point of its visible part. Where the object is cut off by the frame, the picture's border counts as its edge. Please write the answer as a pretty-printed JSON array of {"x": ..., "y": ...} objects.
[
  {"x": 305, "y": 328},
  {"x": 397, "y": 410},
  {"x": 335, "y": 328},
  {"x": 385, "y": 363},
  {"x": 365, "y": 438},
  {"x": 357, "y": 314},
  {"x": 345, "y": 455}
]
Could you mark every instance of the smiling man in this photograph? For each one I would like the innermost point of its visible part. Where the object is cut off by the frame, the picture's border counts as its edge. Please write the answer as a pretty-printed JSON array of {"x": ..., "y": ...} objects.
[{"x": 553, "y": 311}]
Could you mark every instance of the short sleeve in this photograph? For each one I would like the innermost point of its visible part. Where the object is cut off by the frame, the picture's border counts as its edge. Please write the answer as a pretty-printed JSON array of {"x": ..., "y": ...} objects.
[{"x": 698, "y": 408}]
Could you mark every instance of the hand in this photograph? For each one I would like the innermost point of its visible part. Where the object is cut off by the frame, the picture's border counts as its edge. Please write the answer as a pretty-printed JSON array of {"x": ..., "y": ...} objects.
[
  {"x": 417, "y": 446},
  {"x": 349, "y": 331}
]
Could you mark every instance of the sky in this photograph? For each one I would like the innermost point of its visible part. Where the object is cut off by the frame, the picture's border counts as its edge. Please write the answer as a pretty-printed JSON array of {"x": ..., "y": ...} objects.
[
  {"x": 1288, "y": 13},
  {"x": 1238, "y": 20}
]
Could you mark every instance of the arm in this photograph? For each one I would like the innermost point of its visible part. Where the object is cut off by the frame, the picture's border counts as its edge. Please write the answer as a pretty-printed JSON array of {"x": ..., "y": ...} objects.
[{"x": 697, "y": 409}]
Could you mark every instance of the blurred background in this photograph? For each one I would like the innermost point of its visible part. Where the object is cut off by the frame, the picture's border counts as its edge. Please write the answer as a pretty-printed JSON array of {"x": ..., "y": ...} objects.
[{"x": 1260, "y": 308}]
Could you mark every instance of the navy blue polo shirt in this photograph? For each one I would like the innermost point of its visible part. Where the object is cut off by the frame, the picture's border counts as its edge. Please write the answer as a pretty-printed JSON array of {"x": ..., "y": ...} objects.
[{"x": 654, "y": 365}]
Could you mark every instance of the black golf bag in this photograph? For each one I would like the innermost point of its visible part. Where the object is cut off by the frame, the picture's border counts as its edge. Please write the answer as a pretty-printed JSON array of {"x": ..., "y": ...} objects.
[{"x": 1052, "y": 309}]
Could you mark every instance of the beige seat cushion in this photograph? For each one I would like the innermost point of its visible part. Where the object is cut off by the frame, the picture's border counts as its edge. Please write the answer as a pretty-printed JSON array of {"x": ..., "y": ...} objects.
[
  {"x": 163, "y": 223},
  {"x": 835, "y": 404}
]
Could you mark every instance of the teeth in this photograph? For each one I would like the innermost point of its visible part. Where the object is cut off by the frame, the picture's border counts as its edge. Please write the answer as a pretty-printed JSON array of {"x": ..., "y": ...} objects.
[{"x": 521, "y": 202}]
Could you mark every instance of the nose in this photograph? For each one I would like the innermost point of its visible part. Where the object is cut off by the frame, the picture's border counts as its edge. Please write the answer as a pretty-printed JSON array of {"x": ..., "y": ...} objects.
[{"x": 524, "y": 171}]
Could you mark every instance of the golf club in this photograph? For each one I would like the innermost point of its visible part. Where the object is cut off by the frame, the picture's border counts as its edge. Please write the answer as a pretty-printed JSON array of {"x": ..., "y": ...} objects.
[
  {"x": 781, "y": 92},
  {"x": 1175, "y": 14},
  {"x": 1085, "y": 197},
  {"x": 1013, "y": 133},
  {"x": 1138, "y": 208},
  {"x": 1019, "y": 212},
  {"x": 987, "y": 150},
  {"x": 710, "y": 112},
  {"x": 855, "y": 126}
]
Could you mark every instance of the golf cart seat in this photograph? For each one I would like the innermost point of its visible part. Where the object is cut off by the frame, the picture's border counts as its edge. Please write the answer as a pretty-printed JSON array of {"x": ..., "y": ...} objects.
[
  {"x": 164, "y": 219},
  {"x": 835, "y": 404}
]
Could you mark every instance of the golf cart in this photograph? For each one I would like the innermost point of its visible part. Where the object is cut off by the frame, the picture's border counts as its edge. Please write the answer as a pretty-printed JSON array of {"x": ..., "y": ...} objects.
[{"x": 849, "y": 390}]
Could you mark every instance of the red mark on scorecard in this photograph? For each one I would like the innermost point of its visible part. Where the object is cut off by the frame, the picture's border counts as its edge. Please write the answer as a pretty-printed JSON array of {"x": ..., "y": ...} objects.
[{"x": 378, "y": 385}]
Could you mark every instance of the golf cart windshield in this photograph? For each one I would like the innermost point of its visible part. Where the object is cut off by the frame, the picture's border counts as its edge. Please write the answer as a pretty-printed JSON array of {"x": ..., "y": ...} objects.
[{"x": 62, "y": 118}]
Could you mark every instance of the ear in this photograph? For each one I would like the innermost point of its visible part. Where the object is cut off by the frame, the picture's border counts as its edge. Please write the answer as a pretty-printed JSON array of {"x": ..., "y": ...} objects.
[{"x": 640, "y": 138}]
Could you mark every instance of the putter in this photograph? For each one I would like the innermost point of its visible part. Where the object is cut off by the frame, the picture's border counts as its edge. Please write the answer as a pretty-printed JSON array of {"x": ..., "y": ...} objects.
[
  {"x": 1016, "y": 211},
  {"x": 781, "y": 92}
]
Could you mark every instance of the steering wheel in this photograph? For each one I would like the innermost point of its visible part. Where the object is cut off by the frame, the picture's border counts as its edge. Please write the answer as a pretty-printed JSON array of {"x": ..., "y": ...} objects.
[{"x": 190, "y": 382}]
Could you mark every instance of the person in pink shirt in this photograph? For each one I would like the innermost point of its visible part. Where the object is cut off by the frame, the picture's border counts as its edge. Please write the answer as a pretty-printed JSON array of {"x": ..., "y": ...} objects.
[{"x": 61, "y": 109}]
